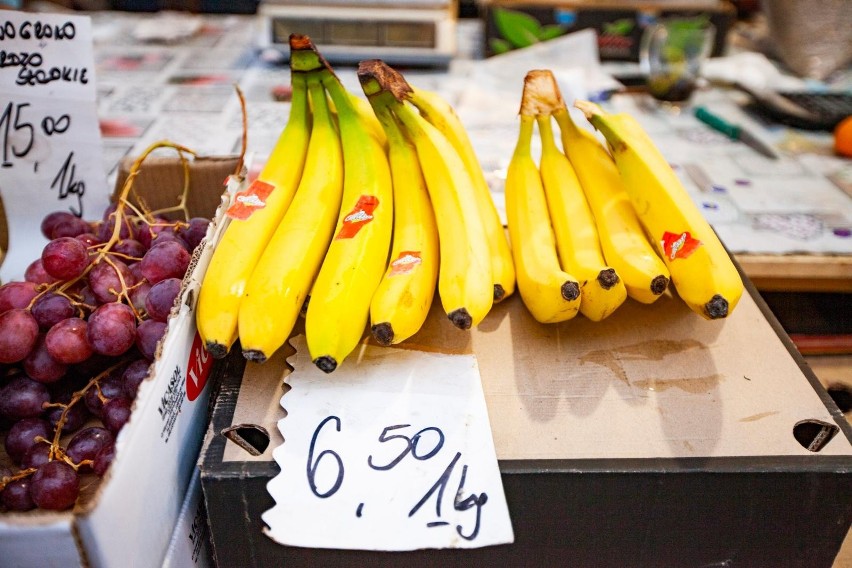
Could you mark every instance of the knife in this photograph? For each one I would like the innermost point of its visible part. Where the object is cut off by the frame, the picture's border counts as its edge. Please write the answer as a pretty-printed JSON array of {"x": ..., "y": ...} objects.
[{"x": 734, "y": 132}]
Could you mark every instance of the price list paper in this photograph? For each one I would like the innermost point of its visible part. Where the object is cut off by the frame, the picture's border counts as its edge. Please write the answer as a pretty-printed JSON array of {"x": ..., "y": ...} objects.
[
  {"x": 50, "y": 145},
  {"x": 391, "y": 452}
]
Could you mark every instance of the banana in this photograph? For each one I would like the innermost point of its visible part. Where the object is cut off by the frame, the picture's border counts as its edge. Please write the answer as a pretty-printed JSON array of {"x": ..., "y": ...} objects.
[
  {"x": 285, "y": 272},
  {"x": 339, "y": 309},
  {"x": 465, "y": 282},
  {"x": 623, "y": 241},
  {"x": 702, "y": 272},
  {"x": 402, "y": 300},
  {"x": 577, "y": 242},
  {"x": 550, "y": 294},
  {"x": 441, "y": 115},
  {"x": 254, "y": 215},
  {"x": 370, "y": 120}
]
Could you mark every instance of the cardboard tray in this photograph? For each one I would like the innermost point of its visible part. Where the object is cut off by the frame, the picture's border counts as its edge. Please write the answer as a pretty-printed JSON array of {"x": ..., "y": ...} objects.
[
  {"x": 653, "y": 438},
  {"x": 128, "y": 518}
]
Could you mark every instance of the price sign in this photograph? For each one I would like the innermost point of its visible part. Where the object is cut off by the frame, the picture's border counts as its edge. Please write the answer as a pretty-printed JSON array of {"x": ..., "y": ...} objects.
[
  {"x": 391, "y": 452},
  {"x": 50, "y": 146}
]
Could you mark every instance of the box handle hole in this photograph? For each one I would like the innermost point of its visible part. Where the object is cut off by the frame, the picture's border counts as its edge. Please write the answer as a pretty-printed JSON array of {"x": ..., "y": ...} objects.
[
  {"x": 814, "y": 434},
  {"x": 252, "y": 438}
]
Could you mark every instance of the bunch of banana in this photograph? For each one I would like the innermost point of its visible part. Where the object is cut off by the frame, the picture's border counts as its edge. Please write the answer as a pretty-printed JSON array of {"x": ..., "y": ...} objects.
[
  {"x": 254, "y": 216},
  {"x": 465, "y": 273},
  {"x": 702, "y": 272},
  {"x": 566, "y": 212}
]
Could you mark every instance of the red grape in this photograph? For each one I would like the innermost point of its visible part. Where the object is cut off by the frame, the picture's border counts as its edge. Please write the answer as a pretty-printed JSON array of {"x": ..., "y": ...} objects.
[
  {"x": 86, "y": 444},
  {"x": 161, "y": 298},
  {"x": 40, "y": 366},
  {"x": 105, "y": 282},
  {"x": 107, "y": 228},
  {"x": 55, "y": 486},
  {"x": 23, "y": 397},
  {"x": 133, "y": 375},
  {"x": 110, "y": 387},
  {"x": 70, "y": 227},
  {"x": 103, "y": 460},
  {"x": 16, "y": 495},
  {"x": 65, "y": 258},
  {"x": 148, "y": 334},
  {"x": 75, "y": 417},
  {"x": 129, "y": 247},
  {"x": 139, "y": 293},
  {"x": 51, "y": 309},
  {"x": 38, "y": 454},
  {"x": 165, "y": 260},
  {"x": 18, "y": 334},
  {"x": 17, "y": 295},
  {"x": 88, "y": 239},
  {"x": 49, "y": 222},
  {"x": 115, "y": 414},
  {"x": 195, "y": 232},
  {"x": 36, "y": 273},
  {"x": 66, "y": 341},
  {"x": 146, "y": 232},
  {"x": 112, "y": 329},
  {"x": 22, "y": 436}
]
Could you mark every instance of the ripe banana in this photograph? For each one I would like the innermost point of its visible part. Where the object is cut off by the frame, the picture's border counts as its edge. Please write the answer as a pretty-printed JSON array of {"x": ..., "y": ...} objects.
[
  {"x": 577, "y": 242},
  {"x": 254, "y": 215},
  {"x": 402, "y": 300},
  {"x": 285, "y": 272},
  {"x": 623, "y": 241},
  {"x": 702, "y": 272},
  {"x": 441, "y": 115},
  {"x": 357, "y": 256},
  {"x": 549, "y": 293},
  {"x": 465, "y": 282}
]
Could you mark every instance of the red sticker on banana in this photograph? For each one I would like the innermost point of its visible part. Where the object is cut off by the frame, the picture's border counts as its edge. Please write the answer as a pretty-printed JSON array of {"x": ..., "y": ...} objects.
[
  {"x": 407, "y": 261},
  {"x": 249, "y": 200},
  {"x": 359, "y": 216},
  {"x": 679, "y": 245}
]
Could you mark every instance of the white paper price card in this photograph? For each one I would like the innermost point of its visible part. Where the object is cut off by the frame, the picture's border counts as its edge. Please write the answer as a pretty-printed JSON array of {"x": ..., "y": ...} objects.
[
  {"x": 392, "y": 451},
  {"x": 50, "y": 147}
]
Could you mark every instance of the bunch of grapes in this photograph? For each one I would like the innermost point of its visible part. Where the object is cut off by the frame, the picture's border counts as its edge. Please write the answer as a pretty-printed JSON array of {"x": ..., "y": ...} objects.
[{"x": 77, "y": 337}]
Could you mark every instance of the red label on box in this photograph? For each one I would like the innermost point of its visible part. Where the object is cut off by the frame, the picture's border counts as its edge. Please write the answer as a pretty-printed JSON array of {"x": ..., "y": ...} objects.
[
  {"x": 197, "y": 368},
  {"x": 360, "y": 215},
  {"x": 249, "y": 200},
  {"x": 679, "y": 245},
  {"x": 407, "y": 261}
]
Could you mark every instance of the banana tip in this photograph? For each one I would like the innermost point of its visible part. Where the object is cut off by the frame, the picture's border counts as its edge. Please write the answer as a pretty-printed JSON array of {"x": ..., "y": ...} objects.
[
  {"x": 217, "y": 350},
  {"x": 499, "y": 292},
  {"x": 383, "y": 333},
  {"x": 607, "y": 278},
  {"x": 460, "y": 318},
  {"x": 570, "y": 290},
  {"x": 326, "y": 363},
  {"x": 254, "y": 355},
  {"x": 717, "y": 307},
  {"x": 659, "y": 284}
]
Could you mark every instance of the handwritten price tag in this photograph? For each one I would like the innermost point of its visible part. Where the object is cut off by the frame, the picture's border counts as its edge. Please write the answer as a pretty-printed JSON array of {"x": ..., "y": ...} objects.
[
  {"x": 50, "y": 147},
  {"x": 392, "y": 452}
]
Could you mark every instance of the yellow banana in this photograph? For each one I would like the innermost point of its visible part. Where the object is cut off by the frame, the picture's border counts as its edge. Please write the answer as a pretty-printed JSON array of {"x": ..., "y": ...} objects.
[
  {"x": 357, "y": 256},
  {"x": 623, "y": 241},
  {"x": 549, "y": 293},
  {"x": 368, "y": 117},
  {"x": 441, "y": 115},
  {"x": 465, "y": 282},
  {"x": 254, "y": 215},
  {"x": 577, "y": 242},
  {"x": 402, "y": 300},
  {"x": 285, "y": 272},
  {"x": 702, "y": 272}
]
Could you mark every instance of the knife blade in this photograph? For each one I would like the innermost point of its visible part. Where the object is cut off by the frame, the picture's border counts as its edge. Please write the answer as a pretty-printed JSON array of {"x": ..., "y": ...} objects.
[{"x": 734, "y": 132}]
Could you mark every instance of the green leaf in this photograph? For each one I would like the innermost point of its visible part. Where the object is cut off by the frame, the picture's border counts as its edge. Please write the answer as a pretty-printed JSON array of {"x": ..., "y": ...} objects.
[
  {"x": 499, "y": 46},
  {"x": 520, "y": 29},
  {"x": 550, "y": 32},
  {"x": 620, "y": 27}
]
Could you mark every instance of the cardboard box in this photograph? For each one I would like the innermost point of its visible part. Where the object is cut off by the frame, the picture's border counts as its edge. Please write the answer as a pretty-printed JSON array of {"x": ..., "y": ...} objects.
[
  {"x": 512, "y": 24},
  {"x": 190, "y": 544},
  {"x": 129, "y": 517},
  {"x": 653, "y": 438}
]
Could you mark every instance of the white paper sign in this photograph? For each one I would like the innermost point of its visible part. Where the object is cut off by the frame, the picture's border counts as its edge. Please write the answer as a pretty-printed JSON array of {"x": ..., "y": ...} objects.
[
  {"x": 393, "y": 451},
  {"x": 50, "y": 145}
]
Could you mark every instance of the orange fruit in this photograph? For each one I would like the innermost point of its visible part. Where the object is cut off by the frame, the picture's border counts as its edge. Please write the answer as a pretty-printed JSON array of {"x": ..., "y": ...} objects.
[{"x": 843, "y": 137}]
